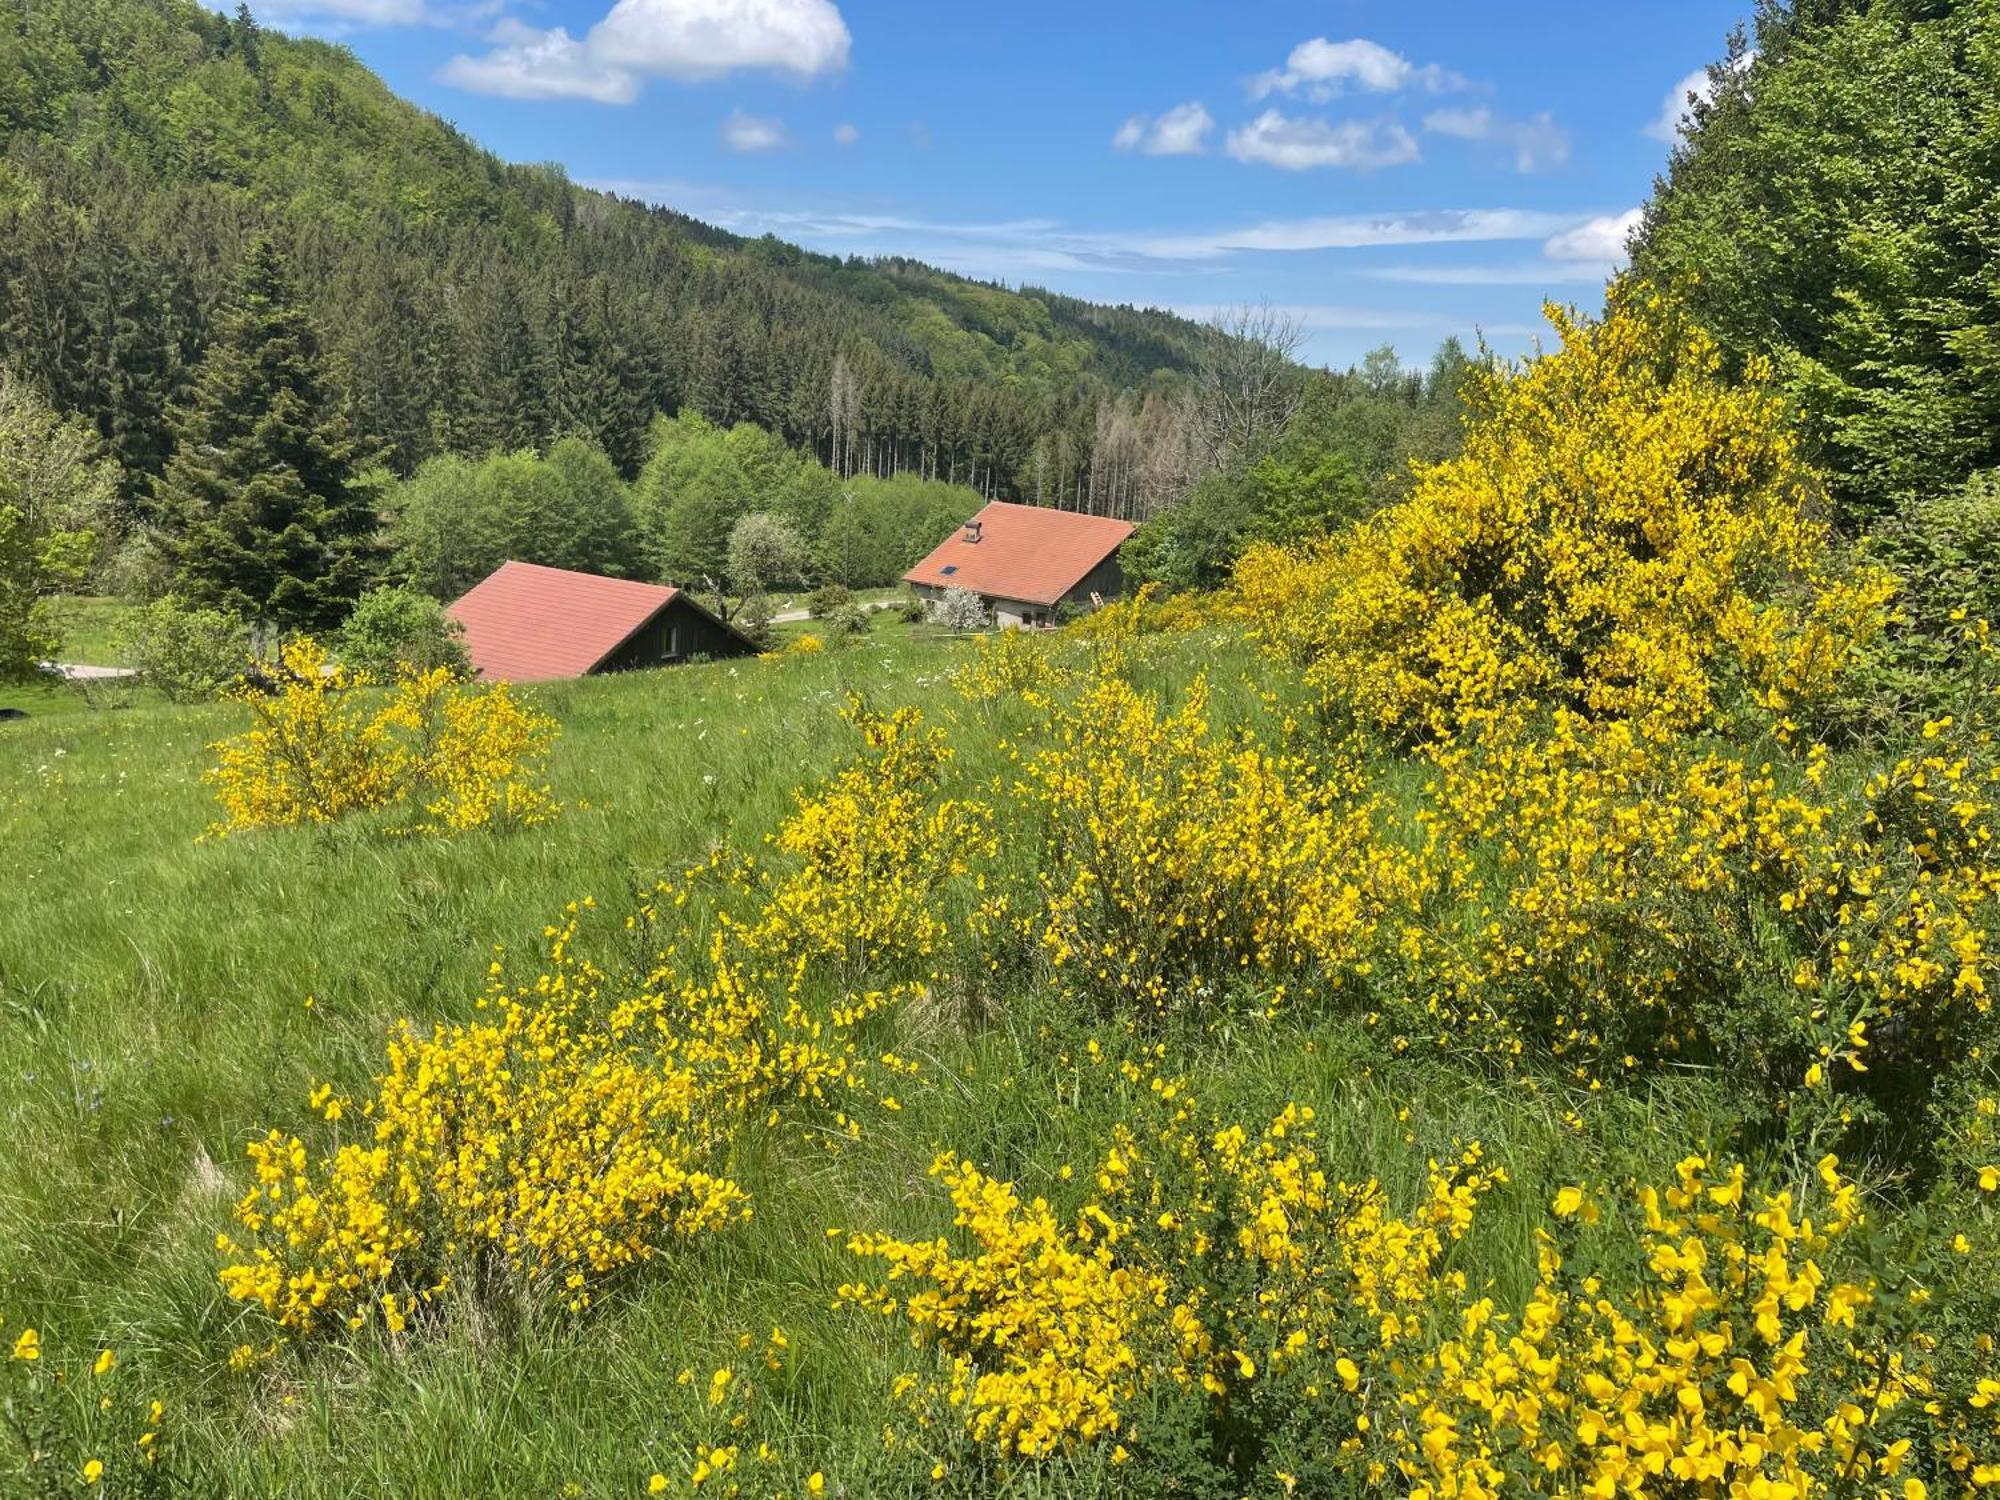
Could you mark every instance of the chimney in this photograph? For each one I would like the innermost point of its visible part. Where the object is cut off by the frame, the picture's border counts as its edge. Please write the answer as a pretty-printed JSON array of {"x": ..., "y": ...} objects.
[{"x": 972, "y": 531}]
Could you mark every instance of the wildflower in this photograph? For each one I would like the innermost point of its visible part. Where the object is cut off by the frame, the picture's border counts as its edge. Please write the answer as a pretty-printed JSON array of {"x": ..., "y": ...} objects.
[
  {"x": 106, "y": 1361},
  {"x": 93, "y": 1470},
  {"x": 28, "y": 1346}
]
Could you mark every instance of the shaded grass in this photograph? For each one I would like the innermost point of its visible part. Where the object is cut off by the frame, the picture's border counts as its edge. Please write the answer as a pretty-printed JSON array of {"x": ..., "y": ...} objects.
[{"x": 154, "y": 1017}]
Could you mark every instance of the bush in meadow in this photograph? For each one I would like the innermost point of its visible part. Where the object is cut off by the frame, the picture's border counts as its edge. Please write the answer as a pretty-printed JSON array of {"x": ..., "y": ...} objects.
[{"x": 188, "y": 652}]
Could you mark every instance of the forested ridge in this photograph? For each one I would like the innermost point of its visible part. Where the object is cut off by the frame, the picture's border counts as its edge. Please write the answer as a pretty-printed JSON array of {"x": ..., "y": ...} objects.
[{"x": 471, "y": 305}]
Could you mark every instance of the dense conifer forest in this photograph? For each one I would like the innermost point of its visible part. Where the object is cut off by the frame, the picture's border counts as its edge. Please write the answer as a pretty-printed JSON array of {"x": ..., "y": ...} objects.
[{"x": 471, "y": 305}]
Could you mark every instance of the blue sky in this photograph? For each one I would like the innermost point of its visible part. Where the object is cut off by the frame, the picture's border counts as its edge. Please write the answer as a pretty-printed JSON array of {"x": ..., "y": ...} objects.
[{"x": 1386, "y": 172}]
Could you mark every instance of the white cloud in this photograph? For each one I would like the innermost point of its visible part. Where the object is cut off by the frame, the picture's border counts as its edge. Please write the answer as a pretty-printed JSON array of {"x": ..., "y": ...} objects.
[
  {"x": 681, "y": 39},
  {"x": 689, "y": 39},
  {"x": 531, "y": 64},
  {"x": 1278, "y": 140},
  {"x": 1675, "y": 108},
  {"x": 1181, "y": 131},
  {"x": 1534, "y": 142},
  {"x": 845, "y": 134},
  {"x": 1321, "y": 70},
  {"x": 1599, "y": 241},
  {"x": 995, "y": 247},
  {"x": 746, "y": 133}
]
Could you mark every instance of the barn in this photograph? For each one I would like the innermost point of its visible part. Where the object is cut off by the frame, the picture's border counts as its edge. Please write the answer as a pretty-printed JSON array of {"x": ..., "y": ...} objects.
[
  {"x": 1024, "y": 560},
  {"x": 527, "y": 623}
]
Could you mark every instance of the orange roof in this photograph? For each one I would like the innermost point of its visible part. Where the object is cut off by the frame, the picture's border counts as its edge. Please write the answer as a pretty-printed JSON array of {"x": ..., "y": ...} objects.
[
  {"x": 527, "y": 623},
  {"x": 1025, "y": 552}
]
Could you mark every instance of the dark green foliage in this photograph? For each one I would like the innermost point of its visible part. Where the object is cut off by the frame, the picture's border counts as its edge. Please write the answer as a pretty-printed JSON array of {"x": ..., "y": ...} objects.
[
  {"x": 1835, "y": 207},
  {"x": 828, "y": 597},
  {"x": 260, "y": 508},
  {"x": 880, "y": 528},
  {"x": 1945, "y": 553}
]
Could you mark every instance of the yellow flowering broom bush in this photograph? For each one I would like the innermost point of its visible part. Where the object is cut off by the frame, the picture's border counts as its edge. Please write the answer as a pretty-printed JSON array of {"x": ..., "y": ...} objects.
[
  {"x": 1625, "y": 534},
  {"x": 587, "y": 1121},
  {"x": 321, "y": 749},
  {"x": 1174, "y": 861},
  {"x": 1221, "y": 1319}
]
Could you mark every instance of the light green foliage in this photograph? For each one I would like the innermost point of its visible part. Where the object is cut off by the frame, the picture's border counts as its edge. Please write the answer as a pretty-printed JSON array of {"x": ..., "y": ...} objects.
[
  {"x": 455, "y": 520},
  {"x": 1834, "y": 208},
  {"x": 57, "y": 495},
  {"x": 765, "y": 552},
  {"x": 396, "y": 627},
  {"x": 1347, "y": 450},
  {"x": 702, "y": 479},
  {"x": 879, "y": 528},
  {"x": 185, "y": 652}
]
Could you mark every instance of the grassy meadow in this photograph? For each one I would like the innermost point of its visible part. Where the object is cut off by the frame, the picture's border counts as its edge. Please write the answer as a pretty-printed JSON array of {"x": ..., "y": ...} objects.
[{"x": 164, "y": 1000}]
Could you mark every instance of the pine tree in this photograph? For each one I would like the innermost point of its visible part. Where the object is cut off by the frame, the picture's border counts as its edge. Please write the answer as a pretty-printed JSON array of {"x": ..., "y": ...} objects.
[{"x": 261, "y": 508}]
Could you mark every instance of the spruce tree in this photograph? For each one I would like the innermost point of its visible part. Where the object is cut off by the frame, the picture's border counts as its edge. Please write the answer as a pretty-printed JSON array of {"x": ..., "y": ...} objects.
[{"x": 262, "y": 511}]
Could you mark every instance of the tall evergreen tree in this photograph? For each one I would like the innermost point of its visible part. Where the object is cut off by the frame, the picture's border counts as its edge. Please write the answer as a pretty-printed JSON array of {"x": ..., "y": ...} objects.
[{"x": 261, "y": 507}]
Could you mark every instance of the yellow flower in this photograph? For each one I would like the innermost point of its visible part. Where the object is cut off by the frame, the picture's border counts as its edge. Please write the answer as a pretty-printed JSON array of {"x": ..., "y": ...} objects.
[
  {"x": 816, "y": 1483},
  {"x": 1989, "y": 1179},
  {"x": 93, "y": 1470},
  {"x": 29, "y": 1345},
  {"x": 657, "y": 1485},
  {"x": 106, "y": 1361}
]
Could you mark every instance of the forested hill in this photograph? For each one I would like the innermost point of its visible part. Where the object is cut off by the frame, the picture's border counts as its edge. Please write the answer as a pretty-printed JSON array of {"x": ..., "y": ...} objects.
[{"x": 469, "y": 304}]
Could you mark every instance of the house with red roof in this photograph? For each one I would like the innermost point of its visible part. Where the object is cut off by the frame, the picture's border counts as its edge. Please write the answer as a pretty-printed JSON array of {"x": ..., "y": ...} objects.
[
  {"x": 1024, "y": 560},
  {"x": 527, "y": 623}
]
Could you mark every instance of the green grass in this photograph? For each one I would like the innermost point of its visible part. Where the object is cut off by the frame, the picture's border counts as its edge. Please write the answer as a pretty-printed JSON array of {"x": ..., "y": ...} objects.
[
  {"x": 93, "y": 629},
  {"x": 153, "y": 1019}
]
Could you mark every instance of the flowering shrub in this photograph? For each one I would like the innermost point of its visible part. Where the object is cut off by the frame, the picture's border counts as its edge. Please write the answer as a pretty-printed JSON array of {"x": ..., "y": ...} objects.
[
  {"x": 871, "y": 852},
  {"x": 1012, "y": 664},
  {"x": 75, "y": 1425},
  {"x": 1625, "y": 534},
  {"x": 1203, "y": 1309},
  {"x": 588, "y": 1121},
  {"x": 320, "y": 750},
  {"x": 1223, "y": 1319},
  {"x": 1173, "y": 861}
]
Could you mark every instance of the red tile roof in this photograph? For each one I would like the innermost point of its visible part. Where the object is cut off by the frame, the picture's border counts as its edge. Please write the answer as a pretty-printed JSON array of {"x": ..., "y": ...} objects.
[
  {"x": 1025, "y": 552},
  {"x": 527, "y": 623}
]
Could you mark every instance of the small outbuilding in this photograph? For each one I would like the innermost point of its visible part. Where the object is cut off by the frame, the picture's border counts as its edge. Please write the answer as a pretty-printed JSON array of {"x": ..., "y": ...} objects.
[
  {"x": 1024, "y": 560},
  {"x": 527, "y": 623}
]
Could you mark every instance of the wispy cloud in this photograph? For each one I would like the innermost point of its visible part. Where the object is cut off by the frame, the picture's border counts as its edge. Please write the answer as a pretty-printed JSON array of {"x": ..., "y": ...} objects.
[
  {"x": 1181, "y": 131},
  {"x": 1040, "y": 244},
  {"x": 1533, "y": 143},
  {"x": 1526, "y": 273},
  {"x": 1275, "y": 139},
  {"x": 1321, "y": 316},
  {"x": 745, "y": 134},
  {"x": 1320, "y": 70}
]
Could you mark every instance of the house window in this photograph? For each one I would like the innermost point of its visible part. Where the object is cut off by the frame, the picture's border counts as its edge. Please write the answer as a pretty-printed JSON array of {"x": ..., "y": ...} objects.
[{"x": 948, "y": 569}]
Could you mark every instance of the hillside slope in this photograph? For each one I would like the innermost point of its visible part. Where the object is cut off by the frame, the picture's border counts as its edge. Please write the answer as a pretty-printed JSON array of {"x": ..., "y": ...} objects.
[{"x": 471, "y": 303}]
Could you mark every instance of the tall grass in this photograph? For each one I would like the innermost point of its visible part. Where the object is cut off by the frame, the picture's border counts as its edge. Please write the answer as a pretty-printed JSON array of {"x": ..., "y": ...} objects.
[{"x": 162, "y": 1000}]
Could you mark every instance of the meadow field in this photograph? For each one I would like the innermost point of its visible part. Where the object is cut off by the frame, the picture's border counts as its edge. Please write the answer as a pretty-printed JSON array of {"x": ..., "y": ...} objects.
[
  {"x": 1489, "y": 1002},
  {"x": 168, "y": 999}
]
